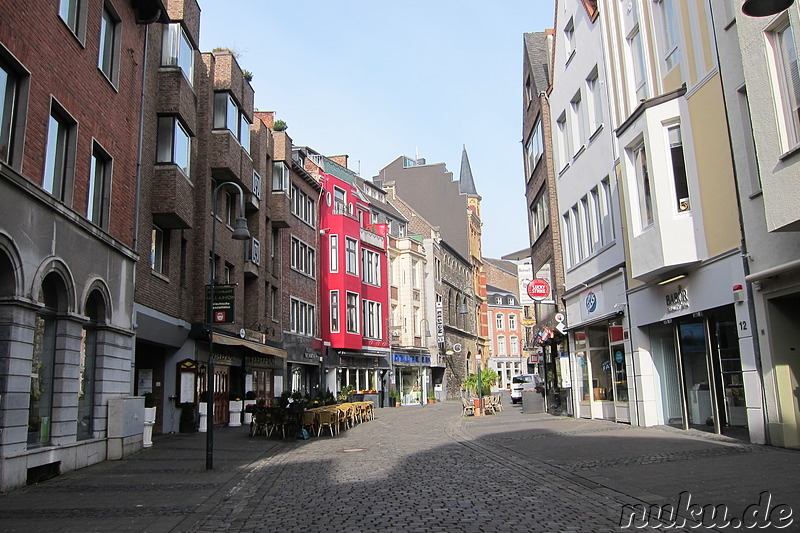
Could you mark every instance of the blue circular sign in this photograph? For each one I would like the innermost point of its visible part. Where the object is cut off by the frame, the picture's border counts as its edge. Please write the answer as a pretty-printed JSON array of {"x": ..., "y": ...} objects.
[{"x": 591, "y": 302}]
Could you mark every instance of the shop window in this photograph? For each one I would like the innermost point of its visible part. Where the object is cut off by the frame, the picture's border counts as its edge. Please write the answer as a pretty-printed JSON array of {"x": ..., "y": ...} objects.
[{"x": 95, "y": 310}]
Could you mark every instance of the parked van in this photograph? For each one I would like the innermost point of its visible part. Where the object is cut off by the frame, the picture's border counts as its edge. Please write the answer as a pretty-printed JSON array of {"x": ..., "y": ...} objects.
[{"x": 528, "y": 382}]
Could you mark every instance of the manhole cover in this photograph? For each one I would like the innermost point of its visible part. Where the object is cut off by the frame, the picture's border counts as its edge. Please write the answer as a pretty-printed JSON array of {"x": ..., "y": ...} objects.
[{"x": 352, "y": 450}]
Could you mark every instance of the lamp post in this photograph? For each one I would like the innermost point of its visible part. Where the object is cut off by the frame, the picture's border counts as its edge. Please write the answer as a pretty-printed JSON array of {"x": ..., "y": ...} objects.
[
  {"x": 240, "y": 233},
  {"x": 426, "y": 334}
]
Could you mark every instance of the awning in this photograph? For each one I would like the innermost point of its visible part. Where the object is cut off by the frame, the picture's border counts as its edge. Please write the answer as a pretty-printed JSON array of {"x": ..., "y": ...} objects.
[
  {"x": 255, "y": 346},
  {"x": 596, "y": 320}
]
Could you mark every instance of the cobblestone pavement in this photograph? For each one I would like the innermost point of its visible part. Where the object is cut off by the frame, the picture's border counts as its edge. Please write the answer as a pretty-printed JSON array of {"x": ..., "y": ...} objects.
[{"x": 411, "y": 469}]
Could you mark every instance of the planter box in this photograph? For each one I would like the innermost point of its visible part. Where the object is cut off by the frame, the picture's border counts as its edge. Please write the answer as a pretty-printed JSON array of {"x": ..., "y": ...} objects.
[{"x": 235, "y": 413}]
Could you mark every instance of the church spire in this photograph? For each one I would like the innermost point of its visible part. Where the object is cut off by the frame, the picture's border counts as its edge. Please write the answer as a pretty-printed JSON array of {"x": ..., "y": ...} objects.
[{"x": 466, "y": 185}]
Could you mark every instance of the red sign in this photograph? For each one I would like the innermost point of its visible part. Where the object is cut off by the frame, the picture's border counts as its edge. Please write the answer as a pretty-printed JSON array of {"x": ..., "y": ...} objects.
[
  {"x": 220, "y": 317},
  {"x": 539, "y": 289}
]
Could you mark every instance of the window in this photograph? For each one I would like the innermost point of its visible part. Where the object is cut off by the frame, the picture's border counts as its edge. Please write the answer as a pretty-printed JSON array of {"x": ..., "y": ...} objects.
[
  {"x": 593, "y": 90},
  {"x": 108, "y": 60},
  {"x": 301, "y": 317},
  {"x": 334, "y": 311},
  {"x": 669, "y": 28},
  {"x": 302, "y": 205},
  {"x": 579, "y": 121},
  {"x": 10, "y": 94},
  {"x": 228, "y": 115},
  {"x": 750, "y": 148},
  {"x": 501, "y": 345},
  {"x": 73, "y": 13},
  {"x": 40, "y": 408},
  {"x": 606, "y": 224},
  {"x": 351, "y": 261},
  {"x": 564, "y": 141},
  {"x": 528, "y": 90},
  {"x": 157, "y": 250},
  {"x": 569, "y": 249},
  {"x": 86, "y": 369},
  {"x": 273, "y": 302},
  {"x": 174, "y": 144},
  {"x": 678, "y": 167},
  {"x": 176, "y": 50},
  {"x": 414, "y": 273},
  {"x": 569, "y": 40},
  {"x": 638, "y": 65},
  {"x": 595, "y": 220},
  {"x": 589, "y": 224},
  {"x": 788, "y": 82},
  {"x": 512, "y": 321},
  {"x": 371, "y": 267},
  {"x": 437, "y": 268},
  {"x": 99, "y": 188},
  {"x": 334, "y": 255},
  {"x": 534, "y": 148},
  {"x": 372, "y": 319},
  {"x": 498, "y": 321},
  {"x": 514, "y": 345},
  {"x": 579, "y": 226},
  {"x": 643, "y": 186},
  {"x": 339, "y": 201},
  {"x": 540, "y": 217},
  {"x": 352, "y": 312},
  {"x": 280, "y": 176},
  {"x": 59, "y": 162},
  {"x": 303, "y": 257}
]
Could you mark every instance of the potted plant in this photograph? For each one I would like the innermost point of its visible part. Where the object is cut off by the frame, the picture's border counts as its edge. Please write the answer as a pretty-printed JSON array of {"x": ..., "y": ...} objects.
[
  {"x": 149, "y": 419},
  {"x": 188, "y": 421},
  {"x": 394, "y": 398},
  {"x": 431, "y": 396},
  {"x": 280, "y": 125}
]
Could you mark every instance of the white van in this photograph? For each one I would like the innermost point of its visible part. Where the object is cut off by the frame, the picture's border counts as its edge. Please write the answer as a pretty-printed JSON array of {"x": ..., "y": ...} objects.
[{"x": 528, "y": 382}]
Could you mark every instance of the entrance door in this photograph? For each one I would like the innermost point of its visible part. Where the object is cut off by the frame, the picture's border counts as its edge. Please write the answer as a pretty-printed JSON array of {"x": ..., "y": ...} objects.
[
  {"x": 700, "y": 405},
  {"x": 221, "y": 394}
]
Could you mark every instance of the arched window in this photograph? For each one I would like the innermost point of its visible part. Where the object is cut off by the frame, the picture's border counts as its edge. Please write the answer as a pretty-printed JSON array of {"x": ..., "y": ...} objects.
[
  {"x": 40, "y": 411},
  {"x": 95, "y": 310},
  {"x": 499, "y": 321},
  {"x": 501, "y": 345},
  {"x": 512, "y": 322}
]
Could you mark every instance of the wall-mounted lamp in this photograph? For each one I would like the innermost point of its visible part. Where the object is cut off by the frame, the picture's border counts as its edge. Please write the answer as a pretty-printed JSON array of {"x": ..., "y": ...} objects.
[{"x": 674, "y": 278}]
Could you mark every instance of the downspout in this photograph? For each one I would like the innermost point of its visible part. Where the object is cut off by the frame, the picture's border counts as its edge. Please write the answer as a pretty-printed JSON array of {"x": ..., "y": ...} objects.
[{"x": 743, "y": 242}]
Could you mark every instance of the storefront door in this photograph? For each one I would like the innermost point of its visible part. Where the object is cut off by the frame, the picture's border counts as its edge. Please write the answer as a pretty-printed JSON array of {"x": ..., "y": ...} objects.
[
  {"x": 221, "y": 394},
  {"x": 697, "y": 381}
]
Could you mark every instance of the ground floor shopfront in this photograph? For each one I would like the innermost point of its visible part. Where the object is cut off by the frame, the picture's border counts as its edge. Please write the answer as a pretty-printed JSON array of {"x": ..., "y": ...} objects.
[
  {"x": 599, "y": 362},
  {"x": 775, "y": 293},
  {"x": 412, "y": 377},
  {"x": 694, "y": 353},
  {"x": 367, "y": 370}
]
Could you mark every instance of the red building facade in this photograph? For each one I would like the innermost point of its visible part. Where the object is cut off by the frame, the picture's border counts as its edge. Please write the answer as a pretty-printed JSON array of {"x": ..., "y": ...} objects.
[{"x": 354, "y": 284}]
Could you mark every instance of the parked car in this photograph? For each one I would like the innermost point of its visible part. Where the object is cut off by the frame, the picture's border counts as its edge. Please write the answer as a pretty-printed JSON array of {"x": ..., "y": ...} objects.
[{"x": 525, "y": 382}]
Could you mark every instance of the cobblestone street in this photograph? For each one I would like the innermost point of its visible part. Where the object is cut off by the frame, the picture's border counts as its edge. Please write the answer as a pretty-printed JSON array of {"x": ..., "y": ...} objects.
[{"x": 411, "y": 469}]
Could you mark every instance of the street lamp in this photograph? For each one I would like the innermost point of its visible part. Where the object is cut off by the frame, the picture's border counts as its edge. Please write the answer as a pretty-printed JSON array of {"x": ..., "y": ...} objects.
[
  {"x": 427, "y": 334},
  {"x": 764, "y": 8},
  {"x": 240, "y": 233}
]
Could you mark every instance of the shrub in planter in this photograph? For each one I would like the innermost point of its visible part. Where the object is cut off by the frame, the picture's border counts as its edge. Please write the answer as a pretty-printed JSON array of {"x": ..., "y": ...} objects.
[
  {"x": 188, "y": 421},
  {"x": 149, "y": 400}
]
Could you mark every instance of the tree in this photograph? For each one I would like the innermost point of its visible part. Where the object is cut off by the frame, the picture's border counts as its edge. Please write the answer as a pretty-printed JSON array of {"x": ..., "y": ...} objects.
[{"x": 488, "y": 378}]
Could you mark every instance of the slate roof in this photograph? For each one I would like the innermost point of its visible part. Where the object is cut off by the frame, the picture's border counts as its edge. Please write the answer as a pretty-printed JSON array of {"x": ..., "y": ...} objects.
[{"x": 536, "y": 46}]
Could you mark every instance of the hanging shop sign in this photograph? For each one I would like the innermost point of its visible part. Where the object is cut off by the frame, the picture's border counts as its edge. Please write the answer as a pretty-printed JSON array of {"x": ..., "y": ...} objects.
[
  {"x": 439, "y": 323},
  {"x": 525, "y": 275},
  {"x": 539, "y": 289},
  {"x": 223, "y": 309}
]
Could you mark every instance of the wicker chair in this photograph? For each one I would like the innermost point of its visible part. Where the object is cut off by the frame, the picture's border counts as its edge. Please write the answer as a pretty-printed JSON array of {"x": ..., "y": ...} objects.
[{"x": 467, "y": 408}]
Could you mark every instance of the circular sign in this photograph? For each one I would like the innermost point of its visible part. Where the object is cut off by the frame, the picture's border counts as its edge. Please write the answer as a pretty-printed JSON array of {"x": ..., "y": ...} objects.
[
  {"x": 560, "y": 317},
  {"x": 591, "y": 302},
  {"x": 539, "y": 289},
  {"x": 457, "y": 347}
]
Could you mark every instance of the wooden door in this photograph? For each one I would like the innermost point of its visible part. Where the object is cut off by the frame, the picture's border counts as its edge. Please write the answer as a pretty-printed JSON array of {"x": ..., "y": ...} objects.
[{"x": 221, "y": 394}]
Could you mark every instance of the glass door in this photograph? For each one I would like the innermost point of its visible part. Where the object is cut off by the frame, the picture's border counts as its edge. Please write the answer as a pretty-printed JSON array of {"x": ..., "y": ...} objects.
[
  {"x": 696, "y": 381},
  {"x": 665, "y": 359}
]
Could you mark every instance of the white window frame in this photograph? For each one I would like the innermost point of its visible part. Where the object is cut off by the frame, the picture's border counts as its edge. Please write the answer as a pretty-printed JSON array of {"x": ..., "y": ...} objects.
[
  {"x": 579, "y": 135},
  {"x": 351, "y": 256},
  {"x": 334, "y": 253},
  {"x": 499, "y": 322},
  {"x": 595, "y": 95},
  {"x": 371, "y": 312},
  {"x": 174, "y": 143},
  {"x": 785, "y": 85},
  {"x": 512, "y": 322},
  {"x": 280, "y": 176},
  {"x": 670, "y": 32},
  {"x": 501, "y": 345},
  {"x": 370, "y": 267},
  {"x": 644, "y": 190},
  {"x": 303, "y": 258},
  {"x": 177, "y": 50},
  {"x": 334, "y": 311},
  {"x": 351, "y": 312}
]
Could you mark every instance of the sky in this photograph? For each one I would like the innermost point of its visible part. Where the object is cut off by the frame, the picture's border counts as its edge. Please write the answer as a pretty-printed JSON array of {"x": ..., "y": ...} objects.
[{"x": 376, "y": 80}]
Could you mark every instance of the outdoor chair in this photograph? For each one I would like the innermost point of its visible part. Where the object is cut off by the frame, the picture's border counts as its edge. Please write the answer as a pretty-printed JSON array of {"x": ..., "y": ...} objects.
[
  {"x": 328, "y": 418},
  {"x": 498, "y": 403},
  {"x": 467, "y": 408},
  {"x": 311, "y": 421}
]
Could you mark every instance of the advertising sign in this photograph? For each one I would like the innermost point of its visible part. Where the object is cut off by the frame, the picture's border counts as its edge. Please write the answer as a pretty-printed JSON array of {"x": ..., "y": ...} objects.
[
  {"x": 439, "y": 323},
  {"x": 223, "y": 309},
  {"x": 539, "y": 289},
  {"x": 524, "y": 276}
]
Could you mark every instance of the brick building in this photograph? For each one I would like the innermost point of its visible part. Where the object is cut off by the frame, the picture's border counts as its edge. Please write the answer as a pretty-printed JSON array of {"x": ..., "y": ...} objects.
[{"x": 70, "y": 101}]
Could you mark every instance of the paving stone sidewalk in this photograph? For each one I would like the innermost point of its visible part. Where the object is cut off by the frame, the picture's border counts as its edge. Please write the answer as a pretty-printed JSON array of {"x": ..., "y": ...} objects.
[{"x": 411, "y": 469}]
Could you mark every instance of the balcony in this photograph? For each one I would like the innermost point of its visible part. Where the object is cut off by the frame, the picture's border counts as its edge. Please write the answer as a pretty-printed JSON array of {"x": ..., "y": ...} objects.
[
  {"x": 281, "y": 209},
  {"x": 252, "y": 258},
  {"x": 173, "y": 196},
  {"x": 176, "y": 96},
  {"x": 373, "y": 239},
  {"x": 227, "y": 159}
]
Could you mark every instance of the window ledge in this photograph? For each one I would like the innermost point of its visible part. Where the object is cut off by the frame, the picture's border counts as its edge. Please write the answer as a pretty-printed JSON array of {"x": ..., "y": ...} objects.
[
  {"x": 160, "y": 276},
  {"x": 579, "y": 152},
  {"x": 756, "y": 194},
  {"x": 597, "y": 131},
  {"x": 790, "y": 153},
  {"x": 569, "y": 59},
  {"x": 563, "y": 170}
]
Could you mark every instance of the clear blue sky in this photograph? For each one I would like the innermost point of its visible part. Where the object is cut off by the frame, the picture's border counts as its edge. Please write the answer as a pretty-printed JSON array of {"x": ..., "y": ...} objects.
[{"x": 377, "y": 79}]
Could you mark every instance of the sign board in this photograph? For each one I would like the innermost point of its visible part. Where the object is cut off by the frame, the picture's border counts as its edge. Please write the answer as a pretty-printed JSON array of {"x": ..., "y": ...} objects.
[
  {"x": 223, "y": 309},
  {"x": 439, "y": 323},
  {"x": 524, "y": 275},
  {"x": 539, "y": 289},
  {"x": 544, "y": 274}
]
